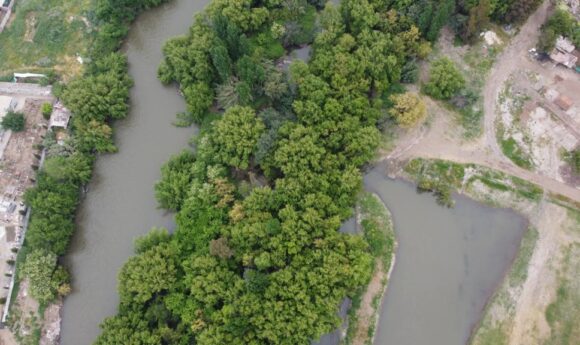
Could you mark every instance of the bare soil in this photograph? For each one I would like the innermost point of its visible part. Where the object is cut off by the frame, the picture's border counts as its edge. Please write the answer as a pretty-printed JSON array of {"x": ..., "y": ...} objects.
[
  {"x": 539, "y": 289},
  {"x": 366, "y": 314}
]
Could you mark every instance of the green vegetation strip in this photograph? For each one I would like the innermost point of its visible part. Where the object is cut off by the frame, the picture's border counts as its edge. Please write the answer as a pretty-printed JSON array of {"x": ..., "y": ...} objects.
[
  {"x": 440, "y": 177},
  {"x": 43, "y": 33},
  {"x": 514, "y": 152},
  {"x": 377, "y": 226}
]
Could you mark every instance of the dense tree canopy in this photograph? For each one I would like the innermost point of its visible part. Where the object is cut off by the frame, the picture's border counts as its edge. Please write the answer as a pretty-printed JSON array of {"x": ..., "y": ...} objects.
[
  {"x": 236, "y": 136},
  {"x": 259, "y": 260}
]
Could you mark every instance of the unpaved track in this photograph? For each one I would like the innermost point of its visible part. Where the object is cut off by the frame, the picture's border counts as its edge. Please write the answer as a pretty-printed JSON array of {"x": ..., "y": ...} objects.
[
  {"x": 511, "y": 59},
  {"x": 441, "y": 141},
  {"x": 25, "y": 90}
]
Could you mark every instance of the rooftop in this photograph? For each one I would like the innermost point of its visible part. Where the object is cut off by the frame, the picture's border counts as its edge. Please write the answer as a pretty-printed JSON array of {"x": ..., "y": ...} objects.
[{"x": 60, "y": 116}]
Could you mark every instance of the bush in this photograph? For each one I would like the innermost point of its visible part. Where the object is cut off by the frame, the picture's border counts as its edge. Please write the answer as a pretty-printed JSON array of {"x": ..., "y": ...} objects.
[
  {"x": 445, "y": 80},
  {"x": 573, "y": 158},
  {"x": 14, "y": 121},
  {"x": 46, "y": 110},
  {"x": 408, "y": 109}
]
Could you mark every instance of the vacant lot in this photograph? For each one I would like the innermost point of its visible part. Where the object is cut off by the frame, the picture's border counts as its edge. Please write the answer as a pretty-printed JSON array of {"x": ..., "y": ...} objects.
[{"x": 44, "y": 35}]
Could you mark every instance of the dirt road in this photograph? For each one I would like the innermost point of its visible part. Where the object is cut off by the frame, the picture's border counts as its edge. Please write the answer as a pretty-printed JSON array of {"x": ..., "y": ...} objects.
[
  {"x": 512, "y": 58},
  {"x": 25, "y": 90},
  {"x": 442, "y": 141}
]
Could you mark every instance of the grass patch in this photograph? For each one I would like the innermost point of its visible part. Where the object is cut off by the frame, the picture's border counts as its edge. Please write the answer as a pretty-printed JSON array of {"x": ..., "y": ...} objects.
[
  {"x": 519, "y": 271},
  {"x": 493, "y": 336},
  {"x": 46, "y": 34},
  {"x": 439, "y": 176},
  {"x": 514, "y": 152},
  {"x": 377, "y": 228},
  {"x": 563, "y": 314}
]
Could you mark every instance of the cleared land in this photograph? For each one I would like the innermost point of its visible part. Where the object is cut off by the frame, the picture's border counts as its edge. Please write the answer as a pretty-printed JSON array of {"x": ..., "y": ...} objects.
[
  {"x": 45, "y": 35},
  {"x": 514, "y": 164}
]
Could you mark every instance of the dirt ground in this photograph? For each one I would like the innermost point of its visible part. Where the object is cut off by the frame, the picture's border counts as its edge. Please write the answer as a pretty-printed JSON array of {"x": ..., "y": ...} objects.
[
  {"x": 6, "y": 337},
  {"x": 540, "y": 286},
  {"x": 441, "y": 138},
  {"x": 366, "y": 314}
]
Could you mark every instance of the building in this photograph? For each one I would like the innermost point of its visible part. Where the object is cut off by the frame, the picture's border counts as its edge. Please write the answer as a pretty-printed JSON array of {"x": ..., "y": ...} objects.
[
  {"x": 563, "y": 53},
  {"x": 60, "y": 116}
]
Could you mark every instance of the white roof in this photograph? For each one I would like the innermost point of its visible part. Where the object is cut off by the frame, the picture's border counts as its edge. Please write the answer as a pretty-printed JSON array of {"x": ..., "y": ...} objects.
[
  {"x": 29, "y": 75},
  {"x": 564, "y": 45},
  {"x": 60, "y": 116}
]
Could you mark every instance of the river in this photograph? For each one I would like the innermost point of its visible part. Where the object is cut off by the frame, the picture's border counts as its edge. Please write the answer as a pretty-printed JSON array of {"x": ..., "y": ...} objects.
[
  {"x": 120, "y": 204},
  {"x": 449, "y": 261}
]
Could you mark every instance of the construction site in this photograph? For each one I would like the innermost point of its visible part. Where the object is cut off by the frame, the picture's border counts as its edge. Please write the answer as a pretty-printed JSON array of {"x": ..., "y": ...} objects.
[{"x": 20, "y": 157}]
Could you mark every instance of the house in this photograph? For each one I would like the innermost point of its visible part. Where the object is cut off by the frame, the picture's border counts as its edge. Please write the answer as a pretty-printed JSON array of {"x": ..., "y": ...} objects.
[
  {"x": 563, "y": 53},
  {"x": 60, "y": 116}
]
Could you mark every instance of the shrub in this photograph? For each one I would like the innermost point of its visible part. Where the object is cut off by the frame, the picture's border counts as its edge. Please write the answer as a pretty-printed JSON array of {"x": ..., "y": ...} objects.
[
  {"x": 46, "y": 110},
  {"x": 14, "y": 121},
  {"x": 573, "y": 158},
  {"x": 445, "y": 80}
]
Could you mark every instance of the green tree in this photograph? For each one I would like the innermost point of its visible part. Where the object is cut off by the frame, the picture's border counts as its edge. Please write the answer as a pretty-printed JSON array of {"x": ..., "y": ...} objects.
[
  {"x": 76, "y": 168},
  {"x": 147, "y": 274},
  {"x": 176, "y": 176},
  {"x": 94, "y": 136},
  {"x": 221, "y": 61},
  {"x": 102, "y": 96},
  {"x": 155, "y": 237},
  {"x": 14, "y": 121},
  {"x": 408, "y": 109},
  {"x": 445, "y": 79},
  {"x": 478, "y": 20},
  {"x": 44, "y": 276},
  {"x": 236, "y": 136}
]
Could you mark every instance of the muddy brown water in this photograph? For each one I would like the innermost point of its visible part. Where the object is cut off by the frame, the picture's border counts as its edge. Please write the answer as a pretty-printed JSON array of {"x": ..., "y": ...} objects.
[
  {"x": 120, "y": 204},
  {"x": 448, "y": 264}
]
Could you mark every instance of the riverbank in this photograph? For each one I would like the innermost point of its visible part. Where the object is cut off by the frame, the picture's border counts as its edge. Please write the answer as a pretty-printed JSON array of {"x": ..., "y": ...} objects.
[{"x": 376, "y": 221}]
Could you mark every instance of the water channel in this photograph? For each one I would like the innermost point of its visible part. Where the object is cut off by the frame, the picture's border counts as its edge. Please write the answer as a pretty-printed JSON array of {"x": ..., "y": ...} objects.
[
  {"x": 449, "y": 261},
  {"x": 120, "y": 204}
]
